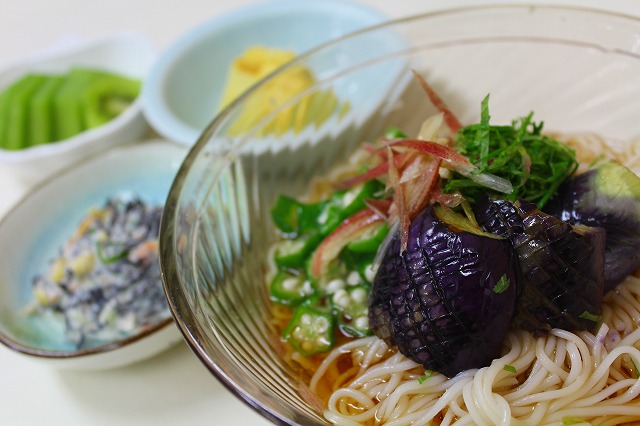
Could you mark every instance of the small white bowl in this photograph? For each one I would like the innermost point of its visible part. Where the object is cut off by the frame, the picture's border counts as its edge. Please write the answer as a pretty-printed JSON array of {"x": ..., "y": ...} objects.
[
  {"x": 127, "y": 54},
  {"x": 34, "y": 230},
  {"x": 184, "y": 87}
]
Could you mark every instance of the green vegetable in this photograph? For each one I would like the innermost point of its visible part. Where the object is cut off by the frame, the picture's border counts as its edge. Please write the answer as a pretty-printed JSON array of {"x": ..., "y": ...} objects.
[
  {"x": 294, "y": 253},
  {"x": 635, "y": 369},
  {"x": 370, "y": 243},
  {"x": 111, "y": 252},
  {"x": 107, "y": 97},
  {"x": 18, "y": 124},
  {"x": 5, "y": 103},
  {"x": 337, "y": 270},
  {"x": 351, "y": 308},
  {"x": 290, "y": 287},
  {"x": 328, "y": 299},
  {"x": 310, "y": 330},
  {"x": 305, "y": 225},
  {"x": 41, "y": 122},
  {"x": 42, "y": 108},
  {"x": 507, "y": 152},
  {"x": 591, "y": 317},
  {"x": 427, "y": 374},
  {"x": 346, "y": 203},
  {"x": 294, "y": 218},
  {"x": 285, "y": 214},
  {"x": 572, "y": 420},
  {"x": 502, "y": 285},
  {"x": 395, "y": 133},
  {"x": 68, "y": 114},
  {"x": 510, "y": 368},
  {"x": 359, "y": 262}
]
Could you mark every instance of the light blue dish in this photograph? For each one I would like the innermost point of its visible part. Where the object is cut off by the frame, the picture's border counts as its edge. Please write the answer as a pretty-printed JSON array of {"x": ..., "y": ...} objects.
[
  {"x": 183, "y": 90},
  {"x": 33, "y": 232}
]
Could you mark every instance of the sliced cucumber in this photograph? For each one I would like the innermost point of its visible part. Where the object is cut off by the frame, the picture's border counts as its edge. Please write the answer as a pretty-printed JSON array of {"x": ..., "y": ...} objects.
[
  {"x": 18, "y": 111},
  {"x": 41, "y": 116}
]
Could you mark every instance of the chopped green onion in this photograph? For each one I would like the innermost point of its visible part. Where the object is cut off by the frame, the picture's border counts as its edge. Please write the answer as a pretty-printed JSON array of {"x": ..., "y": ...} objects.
[
  {"x": 105, "y": 258},
  {"x": 502, "y": 285},
  {"x": 510, "y": 368},
  {"x": 635, "y": 368},
  {"x": 591, "y": 317},
  {"x": 395, "y": 133},
  {"x": 427, "y": 374},
  {"x": 572, "y": 420}
]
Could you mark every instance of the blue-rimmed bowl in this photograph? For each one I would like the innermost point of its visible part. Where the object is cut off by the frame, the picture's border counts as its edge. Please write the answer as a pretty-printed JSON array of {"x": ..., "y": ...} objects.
[
  {"x": 34, "y": 230},
  {"x": 183, "y": 89}
]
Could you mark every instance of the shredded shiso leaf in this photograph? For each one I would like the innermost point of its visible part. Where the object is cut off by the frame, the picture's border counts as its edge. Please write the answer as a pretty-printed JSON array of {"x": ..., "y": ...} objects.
[{"x": 534, "y": 163}]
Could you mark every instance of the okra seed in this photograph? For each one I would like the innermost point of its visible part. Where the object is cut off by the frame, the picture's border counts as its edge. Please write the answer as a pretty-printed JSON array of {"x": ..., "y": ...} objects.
[
  {"x": 290, "y": 284},
  {"x": 305, "y": 319},
  {"x": 370, "y": 273},
  {"x": 307, "y": 346},
  {"x": 323, "y": 217},
  {"x": 349, "y": 196},
  {"x": 344, "y": 302},
  {"x": 341, "y": 298},
  {"x": 334, "y": 285},
  {"x": 321, "y": 325},
  {"x": 359, "y": 295},
  {"x": 298, "y": 334},
  {"x": 354, "y": 278},
  {"x": 362, "y": 323}
]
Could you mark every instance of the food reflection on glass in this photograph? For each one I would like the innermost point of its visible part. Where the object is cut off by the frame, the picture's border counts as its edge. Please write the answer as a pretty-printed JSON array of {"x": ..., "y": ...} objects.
[
  {"x": 104, "y": 284},
  {"x": 471, "y": 265},
  {"x": 257, "y": 62}
]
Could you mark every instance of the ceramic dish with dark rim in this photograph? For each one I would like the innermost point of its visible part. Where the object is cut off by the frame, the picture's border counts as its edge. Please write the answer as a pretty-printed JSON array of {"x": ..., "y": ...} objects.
[{"x": 33, "y": 232}]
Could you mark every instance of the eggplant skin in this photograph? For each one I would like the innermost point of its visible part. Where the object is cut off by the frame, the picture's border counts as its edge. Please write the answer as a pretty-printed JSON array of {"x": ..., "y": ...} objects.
[
  {"x": 607, "y": 196},
  {"x": 562, "y": 267},
  {"x": 440, "y": 301}
]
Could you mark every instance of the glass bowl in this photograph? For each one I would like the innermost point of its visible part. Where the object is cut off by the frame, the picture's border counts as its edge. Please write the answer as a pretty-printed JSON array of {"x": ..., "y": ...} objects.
[{"x": 577, "y": 69}]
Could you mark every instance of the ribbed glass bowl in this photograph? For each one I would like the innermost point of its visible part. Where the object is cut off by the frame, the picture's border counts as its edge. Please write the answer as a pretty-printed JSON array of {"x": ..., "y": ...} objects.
[{"x": 578, "y": 70}]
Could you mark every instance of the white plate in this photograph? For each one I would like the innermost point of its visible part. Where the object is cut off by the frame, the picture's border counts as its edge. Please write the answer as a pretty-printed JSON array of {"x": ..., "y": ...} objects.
[{"x": 127, "y": 54}]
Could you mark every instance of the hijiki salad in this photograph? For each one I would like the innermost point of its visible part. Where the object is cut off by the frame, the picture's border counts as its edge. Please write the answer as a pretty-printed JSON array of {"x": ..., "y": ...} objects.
[
  {"x": 439, "y": 244},
  {"x": 104, "y": 283}
]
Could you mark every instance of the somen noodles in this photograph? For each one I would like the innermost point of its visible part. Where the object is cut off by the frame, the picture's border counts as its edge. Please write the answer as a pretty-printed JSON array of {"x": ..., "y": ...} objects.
[{"x": 582, "y": 376}]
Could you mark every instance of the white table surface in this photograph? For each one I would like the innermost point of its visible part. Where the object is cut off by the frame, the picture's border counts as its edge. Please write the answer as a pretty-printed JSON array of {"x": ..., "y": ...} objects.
[{"x": 173, "y": 387}]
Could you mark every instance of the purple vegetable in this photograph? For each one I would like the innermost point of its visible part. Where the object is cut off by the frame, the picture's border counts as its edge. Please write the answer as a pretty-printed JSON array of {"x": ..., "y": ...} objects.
[
  {"x": 562, "y": 267},
  {"x": 607, "y": 196},
  {"x": 448, "y": 300}
]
